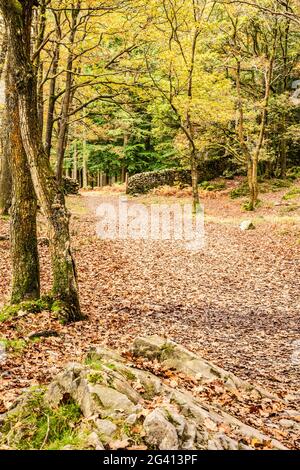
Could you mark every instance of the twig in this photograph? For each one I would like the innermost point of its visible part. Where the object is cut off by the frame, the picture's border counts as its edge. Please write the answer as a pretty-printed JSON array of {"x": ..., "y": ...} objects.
[{"x": 47, "y": 433}]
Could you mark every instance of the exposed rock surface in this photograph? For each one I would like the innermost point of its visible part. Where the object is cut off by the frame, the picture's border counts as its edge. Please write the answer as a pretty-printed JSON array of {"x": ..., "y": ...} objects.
[{"x": 113, "y": 403}]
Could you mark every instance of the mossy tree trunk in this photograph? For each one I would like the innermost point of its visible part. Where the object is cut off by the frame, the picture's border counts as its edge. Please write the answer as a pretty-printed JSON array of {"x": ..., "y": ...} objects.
[
  {"x": 24, "y": 250},
  {"x": 5, "y": 181},
  {"x": 18, "y": 21},
  {"x": 5, "y": 175}
]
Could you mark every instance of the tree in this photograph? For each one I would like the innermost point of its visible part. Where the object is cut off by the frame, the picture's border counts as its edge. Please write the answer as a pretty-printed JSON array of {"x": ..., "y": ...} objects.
[
  {"x": 181, "y": 71},
  {"x": 5, "y": 174},
  {"x": 18, "y": 19},
  {"x": 24, "y": 249}
]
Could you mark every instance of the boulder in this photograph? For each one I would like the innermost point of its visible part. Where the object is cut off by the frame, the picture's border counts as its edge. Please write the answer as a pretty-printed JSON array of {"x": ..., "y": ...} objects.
[
  {"x": 160, "y": 433},
  {"x": 247, "y": 225}
]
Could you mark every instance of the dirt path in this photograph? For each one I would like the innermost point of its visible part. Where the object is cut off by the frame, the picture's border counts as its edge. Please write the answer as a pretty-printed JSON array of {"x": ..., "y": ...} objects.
[{"x": 237, "y": 302}]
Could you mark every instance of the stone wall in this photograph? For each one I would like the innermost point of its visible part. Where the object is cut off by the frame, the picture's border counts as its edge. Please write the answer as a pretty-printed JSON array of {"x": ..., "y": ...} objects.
[{"x": 144, "y": 182}]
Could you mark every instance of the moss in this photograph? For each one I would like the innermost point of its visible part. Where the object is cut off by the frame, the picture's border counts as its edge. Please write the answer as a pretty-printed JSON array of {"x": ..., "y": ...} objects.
[
  {"x": 127, "y": 374},
  {"x": 35, "y": 425},
  {"x": 17, "y": 6},
  {"x": 95, "y": 378},
  {"x": 15, "y": 346},
  {"x": 57, "y": 306},
  {"x": 34, "y": 306},
  {"x": 166, "y": 351}
]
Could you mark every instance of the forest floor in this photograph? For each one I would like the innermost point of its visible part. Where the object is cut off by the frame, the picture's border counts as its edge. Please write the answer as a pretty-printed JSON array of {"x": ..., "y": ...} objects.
[{"x": 236, "y": 302}]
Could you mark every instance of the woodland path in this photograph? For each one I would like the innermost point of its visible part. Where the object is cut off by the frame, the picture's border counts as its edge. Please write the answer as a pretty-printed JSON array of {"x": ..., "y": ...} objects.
[{"x": 237, "y": 302}]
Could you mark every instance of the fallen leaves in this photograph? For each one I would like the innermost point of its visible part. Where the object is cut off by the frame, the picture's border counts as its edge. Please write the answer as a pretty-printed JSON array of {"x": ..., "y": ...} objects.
[{"x": 235, "y": 303}]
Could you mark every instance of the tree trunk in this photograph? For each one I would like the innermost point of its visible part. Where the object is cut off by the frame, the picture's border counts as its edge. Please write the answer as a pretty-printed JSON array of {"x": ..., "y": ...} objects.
[
  {"x": 84, "y": 166},
  {"x": 49, "y": 194},
  {"x": 67, "y": 100},
  {"x": 283, "y": 148},
  {"x": 5, "y": 179},
  {"x": 24, "y": 249},
  {"x": 41, "y": 27},
  {"x": 5, "y": 174},
  {"x": 52, "y": 88},
  {"x": 75, "y": 162},
  {"x": 195, "y": 191}
]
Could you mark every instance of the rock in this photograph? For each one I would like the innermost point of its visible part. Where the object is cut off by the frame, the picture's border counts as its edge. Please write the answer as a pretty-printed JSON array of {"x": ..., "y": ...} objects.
[
  {"x": 175, "y": 356},
  {"x": 104, "y": 354},
  {"x": 160, "y": 432},
  {"x": 131, "y": 420},
  {"x": 106, "y": 427},
  {"x": 293, "y": 414},
  {"x": 69, "y": 447},
  {"x": 290, "y": 424},
  {"x": 178, "y": 421},
  {"x": 247, "y": 225},
  {"x": 189, "y": 436},
  {"x": 94, "y": 442},
  {"x": 143, "y": 182},
  {"x": 112, "y": 399},
  {"x": 121, "y": 406},
  {"x": 125, "y": 388}
]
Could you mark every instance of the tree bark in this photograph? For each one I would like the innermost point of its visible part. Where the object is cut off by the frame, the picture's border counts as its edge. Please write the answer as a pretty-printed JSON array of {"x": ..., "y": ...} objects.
[
  {"x": 5, "y": 174},
  {"x": 52, "y": 87},
  {"x": 5, "y": 179},
  {"x": 24, "y": 247},
  {"x": 50, "y": 196},
  {"x": 67, "y": 100}
]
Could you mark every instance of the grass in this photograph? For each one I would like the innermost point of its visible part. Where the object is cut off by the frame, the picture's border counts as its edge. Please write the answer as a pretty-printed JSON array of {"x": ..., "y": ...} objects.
[
  {"x": 265, "y": 186},
  {"x": 93, "y": 363},
  {"x": 241, "y": 191},
  {"x": 36, "y": 426},
  {"x": 211, "y": 186},
  {"x": 293, "y": 193}
]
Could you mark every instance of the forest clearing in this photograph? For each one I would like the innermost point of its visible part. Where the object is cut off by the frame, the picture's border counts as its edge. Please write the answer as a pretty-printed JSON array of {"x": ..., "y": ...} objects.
[
  {"x": 149, "y": 229},
  {"x": 135, "y": 288}
]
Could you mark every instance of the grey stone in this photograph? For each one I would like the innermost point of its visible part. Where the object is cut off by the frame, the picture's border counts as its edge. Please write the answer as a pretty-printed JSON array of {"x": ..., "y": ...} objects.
[
  {"x": 112, "y": 399},
  {"x": 131, "y": 419},
  {"x": 106, "y": 427},
  {"x": 94, "y": 441},
  {"x": 160, "y": 432},
  {"x": 247, "y": 225}
]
